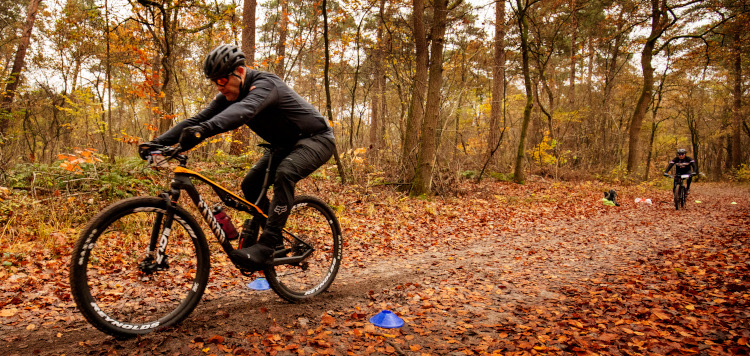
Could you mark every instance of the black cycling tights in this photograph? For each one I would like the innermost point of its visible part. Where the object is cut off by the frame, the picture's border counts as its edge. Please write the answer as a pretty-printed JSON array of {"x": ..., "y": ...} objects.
[{"x": 287, "y": 168}]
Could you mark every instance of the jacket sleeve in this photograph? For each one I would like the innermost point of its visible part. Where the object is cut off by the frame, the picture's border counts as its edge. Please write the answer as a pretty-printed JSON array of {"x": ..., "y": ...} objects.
[
  {"x": 235, "y": 115},
  {"x": 172, "y": 136},
  {"x": 694, "y": 166},
  {"x": 669, "y": 166}
]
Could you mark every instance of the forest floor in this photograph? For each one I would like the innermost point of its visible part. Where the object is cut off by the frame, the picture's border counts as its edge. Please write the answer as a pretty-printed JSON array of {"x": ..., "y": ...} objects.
[{"x": 540, "y": 268}]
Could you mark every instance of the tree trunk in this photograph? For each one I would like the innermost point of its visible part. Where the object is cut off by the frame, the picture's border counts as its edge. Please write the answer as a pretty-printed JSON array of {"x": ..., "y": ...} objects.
[
  {"x": 736, "y": 159},
  {"x": 428, "y": 141},
  {"x": 108, "y": 75},
  {"x": 523, "y": 25},
  {"x": 248, "y": 31},
  {"x": 589, "y": 72},
  {"x": 355, "y": 84},
  {"x": 241, "y": 136},
  {"x": 377, "y": 114},
  {"x": 498, "y": 82},
  {"x": 327, "y": 83},
  {"x": 6, "y": 97},
  {"x": 416, "y": 109},
  {"x": 573, "y": 53},
  {"x": 695, "y": 140},
  {"x": 658, "y": 25},
  {"x": 655, "y": 126},
  {"x": 281, "y": 46}
]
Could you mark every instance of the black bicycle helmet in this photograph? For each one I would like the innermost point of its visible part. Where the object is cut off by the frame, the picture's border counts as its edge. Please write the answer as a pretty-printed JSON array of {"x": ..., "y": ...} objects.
[
  {"x": 681, "y": 151},
  {"x": 222, "y": 61}
]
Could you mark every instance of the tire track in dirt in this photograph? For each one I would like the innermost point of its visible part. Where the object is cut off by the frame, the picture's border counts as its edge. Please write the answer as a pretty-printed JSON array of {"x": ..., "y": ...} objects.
[{"x": 532, "y": 261}]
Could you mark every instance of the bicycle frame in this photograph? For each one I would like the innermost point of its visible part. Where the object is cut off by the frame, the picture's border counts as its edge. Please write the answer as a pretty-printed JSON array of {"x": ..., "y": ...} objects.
[
  {"x": 183, "y": 180},
  {"x": 679, "y": 183}
]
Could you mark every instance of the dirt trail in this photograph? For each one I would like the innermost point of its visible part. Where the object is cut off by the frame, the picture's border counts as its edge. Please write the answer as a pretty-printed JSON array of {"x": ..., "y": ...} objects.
[{"x": 558, "y": 274}]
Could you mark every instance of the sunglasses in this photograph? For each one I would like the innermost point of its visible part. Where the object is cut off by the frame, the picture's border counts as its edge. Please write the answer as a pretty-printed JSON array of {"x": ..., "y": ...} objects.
[{"x": 224, "y": 80}]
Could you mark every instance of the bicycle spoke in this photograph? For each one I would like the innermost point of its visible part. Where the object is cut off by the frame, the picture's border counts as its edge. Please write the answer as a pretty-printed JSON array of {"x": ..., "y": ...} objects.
[
  {"x": 119, "y": 287},
  {"x": 316, "y": 236}
]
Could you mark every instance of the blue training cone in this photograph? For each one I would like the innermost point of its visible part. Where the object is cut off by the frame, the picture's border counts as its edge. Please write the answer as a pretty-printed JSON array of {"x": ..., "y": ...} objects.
[
  {"x": 259, "y": 284},
  {"x": 387, "y": 320}
]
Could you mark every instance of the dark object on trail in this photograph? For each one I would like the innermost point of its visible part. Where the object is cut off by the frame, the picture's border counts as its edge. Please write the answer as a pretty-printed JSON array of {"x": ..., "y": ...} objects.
[{"x": 611, "y": 195}]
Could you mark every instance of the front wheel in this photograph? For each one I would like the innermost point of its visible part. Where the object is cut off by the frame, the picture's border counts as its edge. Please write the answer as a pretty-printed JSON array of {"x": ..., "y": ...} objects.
[
  {"x": 676, "y": 194},
  {"x": 683, "y": 196},
  {"x": 119, "y": 287},
  {"x": 312, "y": 230}
]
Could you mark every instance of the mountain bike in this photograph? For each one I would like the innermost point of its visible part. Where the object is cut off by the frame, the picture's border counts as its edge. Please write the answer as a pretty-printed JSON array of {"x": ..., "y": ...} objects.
[
  {"x": 142, "y": 263},
  {"x": 680, "y": 191}
]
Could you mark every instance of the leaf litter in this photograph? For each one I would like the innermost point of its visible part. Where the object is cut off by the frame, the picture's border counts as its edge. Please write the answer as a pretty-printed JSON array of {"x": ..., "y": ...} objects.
[{"x": 541, "y": 268}]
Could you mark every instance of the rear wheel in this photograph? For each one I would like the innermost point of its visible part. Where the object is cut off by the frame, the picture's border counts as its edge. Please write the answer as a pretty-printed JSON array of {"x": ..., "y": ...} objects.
[
  {"x": 312, "y": 230},
  {"x": 120, "y": 288}
]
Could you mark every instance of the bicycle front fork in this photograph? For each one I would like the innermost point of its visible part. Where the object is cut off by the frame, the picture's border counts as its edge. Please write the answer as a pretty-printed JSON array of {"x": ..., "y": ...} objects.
[{"x": 156, "y": 254}]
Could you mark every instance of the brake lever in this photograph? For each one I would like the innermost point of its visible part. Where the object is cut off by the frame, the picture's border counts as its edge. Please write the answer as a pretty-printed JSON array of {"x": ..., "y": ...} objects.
[
  {"x": 157, "y": 160},
  {"x": 177, "y": 150}
]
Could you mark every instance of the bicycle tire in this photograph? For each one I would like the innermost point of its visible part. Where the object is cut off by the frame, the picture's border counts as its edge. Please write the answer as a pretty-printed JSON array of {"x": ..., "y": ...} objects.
[
  {"x": 314, "y": 222},
  {"x": 683, "y": 196},
  {"x": 112, "y": 291},
  {"x": 676, "y": 194}
]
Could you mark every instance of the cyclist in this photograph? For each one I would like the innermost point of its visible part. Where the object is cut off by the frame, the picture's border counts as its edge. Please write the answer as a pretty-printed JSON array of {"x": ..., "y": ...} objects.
[
  {"x": 683, "y": 165},
  {"x": 301, "y": 137}
]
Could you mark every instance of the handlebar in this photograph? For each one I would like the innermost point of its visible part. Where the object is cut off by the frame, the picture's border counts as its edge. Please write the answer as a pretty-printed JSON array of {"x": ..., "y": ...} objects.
[
  {"x": 684, "y": 176},
  {"x": 160, "y": 155}
]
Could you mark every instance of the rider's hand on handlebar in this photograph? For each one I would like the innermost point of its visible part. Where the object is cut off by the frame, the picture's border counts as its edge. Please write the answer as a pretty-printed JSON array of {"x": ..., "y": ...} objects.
[
  {"x": 191, "y": 137},
  {"x": 666, "y": 174},
  {"x": 144, "y": 149}
]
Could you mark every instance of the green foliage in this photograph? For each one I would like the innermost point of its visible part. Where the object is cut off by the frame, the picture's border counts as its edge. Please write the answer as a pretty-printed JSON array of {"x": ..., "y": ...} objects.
[
  {"x": 743, "y": 174},
  {"x": 118, "y": 184},
  {"x": 320, "y": 174},
  {"x": 470, "y": 174},
  {"x": 543, "y": 153},
  {"x": 616, "y": 175},
  {"x": 123, "y": 179},
  {"x": 502, "y": 177}
]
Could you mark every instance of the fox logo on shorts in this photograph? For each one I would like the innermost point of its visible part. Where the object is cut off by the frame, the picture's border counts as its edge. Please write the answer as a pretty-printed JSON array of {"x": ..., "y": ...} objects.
[{"x": 280, "y": 209}]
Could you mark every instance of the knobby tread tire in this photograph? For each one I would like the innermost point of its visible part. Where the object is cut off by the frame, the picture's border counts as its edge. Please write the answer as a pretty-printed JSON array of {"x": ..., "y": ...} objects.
[
  {"x": 278, "y": 284},
  {"x": 87, "y": 242}
]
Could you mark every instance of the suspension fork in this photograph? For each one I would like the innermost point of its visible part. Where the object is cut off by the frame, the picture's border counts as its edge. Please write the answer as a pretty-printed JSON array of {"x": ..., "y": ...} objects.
[{"x": 160, "y": 231}]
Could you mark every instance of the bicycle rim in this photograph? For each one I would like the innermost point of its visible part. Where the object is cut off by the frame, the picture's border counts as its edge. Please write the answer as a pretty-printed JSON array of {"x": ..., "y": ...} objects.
[
  {"x": 312, "y": 221},
  {"x": 113, "y": 291}
]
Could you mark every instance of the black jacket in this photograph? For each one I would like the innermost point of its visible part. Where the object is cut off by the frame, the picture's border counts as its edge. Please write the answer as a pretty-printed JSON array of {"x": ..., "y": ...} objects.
[
  {"x": 682, "y": 166},
  {"x": 272, "y": 110}
]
